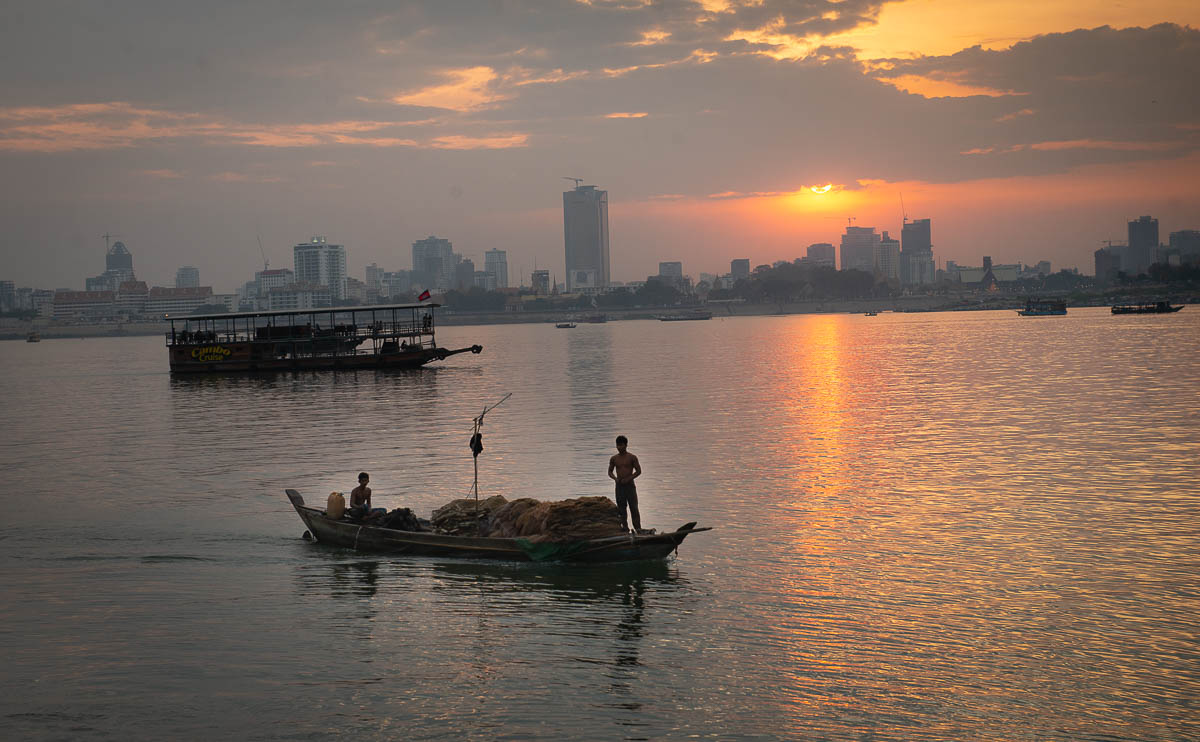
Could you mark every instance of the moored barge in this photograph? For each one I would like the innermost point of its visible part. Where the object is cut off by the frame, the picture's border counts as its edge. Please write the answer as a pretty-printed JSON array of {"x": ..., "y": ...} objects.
[{"x": 384, "y": 336}]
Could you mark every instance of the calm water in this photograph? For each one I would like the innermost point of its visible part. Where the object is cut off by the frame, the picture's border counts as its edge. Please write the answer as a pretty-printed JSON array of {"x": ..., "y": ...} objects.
[{"x": 928, "y": 526}]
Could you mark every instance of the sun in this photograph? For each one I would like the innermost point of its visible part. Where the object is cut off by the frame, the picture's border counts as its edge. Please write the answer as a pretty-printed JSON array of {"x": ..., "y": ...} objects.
[{"x": 821, "y": 189}]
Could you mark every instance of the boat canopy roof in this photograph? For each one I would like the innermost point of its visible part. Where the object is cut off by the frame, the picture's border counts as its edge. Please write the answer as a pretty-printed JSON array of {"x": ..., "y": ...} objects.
[{"x": 298, "y": 312}]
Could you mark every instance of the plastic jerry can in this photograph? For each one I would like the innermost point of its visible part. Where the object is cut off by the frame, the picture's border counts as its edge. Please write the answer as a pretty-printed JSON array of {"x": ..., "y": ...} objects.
[{"x": 335, "y": 507}]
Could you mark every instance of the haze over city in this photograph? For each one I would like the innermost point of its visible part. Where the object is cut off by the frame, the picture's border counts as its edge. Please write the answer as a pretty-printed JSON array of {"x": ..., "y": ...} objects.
[{"x": 1023, "y": 132}]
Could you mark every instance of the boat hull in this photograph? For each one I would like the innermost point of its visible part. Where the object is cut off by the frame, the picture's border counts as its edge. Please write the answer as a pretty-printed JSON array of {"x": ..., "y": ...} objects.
[
  {"x": 359, "y": 537},
  {"x": 233, "y": 363}
]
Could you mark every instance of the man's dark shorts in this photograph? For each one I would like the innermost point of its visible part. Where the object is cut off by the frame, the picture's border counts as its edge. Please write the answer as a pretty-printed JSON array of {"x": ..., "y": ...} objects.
[{"x": 627, "y": 496}]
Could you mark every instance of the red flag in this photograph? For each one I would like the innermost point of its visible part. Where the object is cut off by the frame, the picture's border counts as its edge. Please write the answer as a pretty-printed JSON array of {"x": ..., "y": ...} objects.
[{"x": 424, "y": 295}]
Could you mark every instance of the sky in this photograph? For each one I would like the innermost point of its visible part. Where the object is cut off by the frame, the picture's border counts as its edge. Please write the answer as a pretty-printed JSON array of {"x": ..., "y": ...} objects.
[{"x": 1025, "y": 131}]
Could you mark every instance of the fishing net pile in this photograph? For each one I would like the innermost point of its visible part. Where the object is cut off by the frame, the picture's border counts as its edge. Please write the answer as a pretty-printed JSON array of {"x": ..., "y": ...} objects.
[
  {"x": 560, "y": 521},
  {"x": 400, "y": 519},
  {"x": 466, "y": 517}
]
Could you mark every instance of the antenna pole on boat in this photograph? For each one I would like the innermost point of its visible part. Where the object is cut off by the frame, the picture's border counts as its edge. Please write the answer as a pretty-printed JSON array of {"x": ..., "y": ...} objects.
[{"x": 477, "y": 446}]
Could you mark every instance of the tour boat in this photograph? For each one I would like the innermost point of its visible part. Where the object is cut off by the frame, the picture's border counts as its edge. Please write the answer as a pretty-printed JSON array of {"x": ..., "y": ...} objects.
[
  {"x": 1158, "y": 307},
  {"x": 352, "y": 534},
  {"x": 385, "y": 336},
  {"x": 1043, "y": 308},
  {"x": 564, "y": 325},
  {"x": 685, "y": 316},
  {"x": 33, "y": 337}
]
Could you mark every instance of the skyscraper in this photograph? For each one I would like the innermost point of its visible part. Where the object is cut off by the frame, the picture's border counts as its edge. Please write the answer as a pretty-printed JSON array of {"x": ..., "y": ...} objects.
[
  {"x": 496, "y": 263},
  {"x": 916, "y": 253},
  {"x": 887, "y": 257},
  {"x": 585, "y": 237},
  {"x": 118, "y": 268},
  {"x": 739, "y": 268},
  {"x": 322, "y": 264},
  {"x": 187, "y": 277},
  {"x": 433, "y": 263},
  {"x": 118, "y": 258},
  {"x": 858, "y": 249},
  {"x": 1143, "y": 245}
]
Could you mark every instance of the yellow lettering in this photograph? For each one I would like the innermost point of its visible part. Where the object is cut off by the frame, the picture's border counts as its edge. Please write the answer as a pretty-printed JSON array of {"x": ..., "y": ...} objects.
[{"x": 209, "y": 353}]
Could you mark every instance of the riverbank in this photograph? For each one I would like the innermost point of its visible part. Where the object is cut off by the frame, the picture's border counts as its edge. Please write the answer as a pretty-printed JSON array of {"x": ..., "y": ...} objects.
[{"x": 12, "y": 329}]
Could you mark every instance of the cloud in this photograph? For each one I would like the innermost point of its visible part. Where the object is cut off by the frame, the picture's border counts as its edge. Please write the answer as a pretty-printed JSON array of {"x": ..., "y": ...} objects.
[
  {"x": 627, "y": 115},
  {"x": 507, "y": 141},
  {"x": 121, "y": 125},
  {"x": 468, "y": 89}
]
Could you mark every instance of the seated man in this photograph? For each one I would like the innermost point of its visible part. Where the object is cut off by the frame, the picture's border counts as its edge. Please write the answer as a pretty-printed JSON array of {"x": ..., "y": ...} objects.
[{"x": 360, "y": 499}]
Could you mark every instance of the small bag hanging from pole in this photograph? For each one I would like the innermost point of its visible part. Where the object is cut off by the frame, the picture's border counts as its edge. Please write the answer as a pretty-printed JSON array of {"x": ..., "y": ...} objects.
[{"x": 476, "y": 446}]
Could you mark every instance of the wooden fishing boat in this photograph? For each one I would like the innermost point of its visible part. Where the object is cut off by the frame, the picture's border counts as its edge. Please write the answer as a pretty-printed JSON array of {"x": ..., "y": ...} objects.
[
  {"x": 385, "y": 336},
  {"x": 355, "y": 535}
]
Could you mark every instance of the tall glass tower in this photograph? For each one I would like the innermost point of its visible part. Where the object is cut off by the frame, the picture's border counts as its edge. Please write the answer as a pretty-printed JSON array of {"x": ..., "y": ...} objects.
[{"x": 585, "y": 235}]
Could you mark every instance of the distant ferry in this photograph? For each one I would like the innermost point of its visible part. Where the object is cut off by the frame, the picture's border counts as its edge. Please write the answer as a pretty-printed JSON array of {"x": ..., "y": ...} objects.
[
  {"x": 33, "y": 337},
  {"x": 387, "y": 336},
  {"x": 1043, "y": 308},
  {"x": 1158, "y": 307},
  {"x": 695, "y": 314},
  {"x": 565, "y": 325}
]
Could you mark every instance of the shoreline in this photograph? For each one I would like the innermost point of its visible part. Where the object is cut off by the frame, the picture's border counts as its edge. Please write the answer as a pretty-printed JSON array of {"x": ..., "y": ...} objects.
[{"x": 13, "y": 329}]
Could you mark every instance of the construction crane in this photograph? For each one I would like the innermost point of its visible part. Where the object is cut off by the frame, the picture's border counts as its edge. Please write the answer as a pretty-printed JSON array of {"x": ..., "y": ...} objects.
[
  {"x": 108, "y": 237},
  {"x": 577, "y": 180},
  {"x": 903, "y": 211},
  {"x": 266, "y": 264}
]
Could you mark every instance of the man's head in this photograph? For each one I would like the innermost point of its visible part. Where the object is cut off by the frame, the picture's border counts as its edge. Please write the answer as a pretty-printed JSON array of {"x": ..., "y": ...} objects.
[
  {"x": 363, "y": 477},
  {"x": 622, "y": 442}
]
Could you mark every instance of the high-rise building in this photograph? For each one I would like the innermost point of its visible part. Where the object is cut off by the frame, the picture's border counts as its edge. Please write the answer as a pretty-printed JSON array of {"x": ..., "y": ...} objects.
[
  {"x": 916, "y": 253},
  {"x": 374, "y": 276},
  {"x": 118, "y": 268},
  {"x": 433, "y": 263},
  {"x": 585, "y": 237},
  {"x": 858, "y": 249},
  {"x": 822, "y": 254},
  {"x": 887, "y": 258},
  {"x": 496, "y": 263},
  {"x": 187, "y": 277},
  {"x": 1143, "y": 245},
  {"x": 8, "y": 296},
  {"x": 118, "y": 258},
  {"x": 1186, "y": 244},
  {"x": 1108, "y": 264},
  {"x": 671, "y": 269},
  {"x": 739, "y": 268},
  {"x": 322, "y": 264},
  {"x": 540, "y": 281}
]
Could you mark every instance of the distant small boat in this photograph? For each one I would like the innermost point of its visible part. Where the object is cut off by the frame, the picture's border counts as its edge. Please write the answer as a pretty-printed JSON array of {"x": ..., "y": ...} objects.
[
  {"x": 1043, "y": 308},
  {"x": 693, "y": 315},
  {"x": 33, "y": 337},
  {"x": 1158, "y": 307},
  {"x": 564, "y": 325},
  {"x": 872, "y": 314}
]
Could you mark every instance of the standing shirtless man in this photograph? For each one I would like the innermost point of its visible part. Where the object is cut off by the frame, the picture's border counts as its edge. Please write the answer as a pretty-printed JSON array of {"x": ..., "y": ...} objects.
[{"x": 624, "y": 467}]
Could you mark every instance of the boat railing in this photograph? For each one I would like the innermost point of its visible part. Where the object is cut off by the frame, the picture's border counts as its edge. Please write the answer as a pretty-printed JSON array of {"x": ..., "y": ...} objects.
[{"x": 414, "y": 333}]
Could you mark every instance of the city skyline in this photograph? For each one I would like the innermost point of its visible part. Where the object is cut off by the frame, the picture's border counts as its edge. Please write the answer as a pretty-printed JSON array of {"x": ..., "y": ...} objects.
[{"x": 717, "y": 128}]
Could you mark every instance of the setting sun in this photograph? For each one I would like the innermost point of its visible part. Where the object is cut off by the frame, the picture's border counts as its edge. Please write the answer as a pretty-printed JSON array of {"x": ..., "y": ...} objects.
[{"x": 820, "y": 190}]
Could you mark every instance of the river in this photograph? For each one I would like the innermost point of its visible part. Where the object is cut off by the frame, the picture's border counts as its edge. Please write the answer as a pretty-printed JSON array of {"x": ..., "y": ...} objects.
[{"x": 926, "y": 526}]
